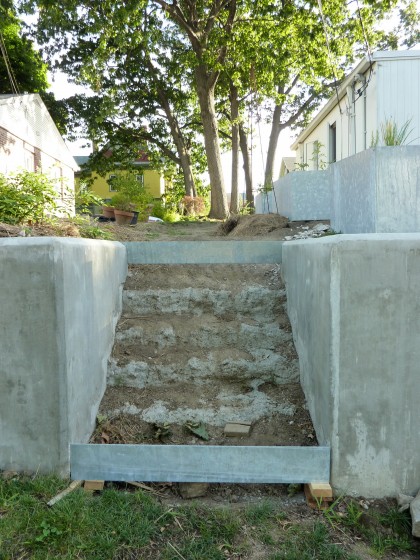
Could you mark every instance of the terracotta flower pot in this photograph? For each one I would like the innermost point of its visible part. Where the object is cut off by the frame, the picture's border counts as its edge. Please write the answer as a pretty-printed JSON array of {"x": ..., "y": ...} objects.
[
  {"x": 122, "y": 217},
  {"x": 108, "y": 211}
]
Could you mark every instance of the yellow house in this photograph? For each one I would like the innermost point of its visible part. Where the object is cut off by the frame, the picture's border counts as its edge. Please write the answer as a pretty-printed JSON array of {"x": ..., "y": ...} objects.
[{"x": 152, "y": 179}]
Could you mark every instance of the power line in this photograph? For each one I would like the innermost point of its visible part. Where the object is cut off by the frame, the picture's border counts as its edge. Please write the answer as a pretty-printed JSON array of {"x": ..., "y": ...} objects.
[
  {"x": 12, "y": 79},
  {"x": 332, "y": 62},
  {"x": 361, "y": 90}
]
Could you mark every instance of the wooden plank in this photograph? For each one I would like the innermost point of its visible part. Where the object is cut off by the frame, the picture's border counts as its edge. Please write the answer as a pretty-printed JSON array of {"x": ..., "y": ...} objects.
[
  {"x": 320, "y": 490},
  {"x": 200, "y": 463},
  {"x": 234, "y": 429},
  {"x": 92, "y": 485}
]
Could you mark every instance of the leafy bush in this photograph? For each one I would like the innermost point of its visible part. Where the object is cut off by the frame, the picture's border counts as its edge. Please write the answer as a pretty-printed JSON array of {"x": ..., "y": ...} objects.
[
  {"x": 27, "y": 197},
  {"x": 164, "y": 213}
]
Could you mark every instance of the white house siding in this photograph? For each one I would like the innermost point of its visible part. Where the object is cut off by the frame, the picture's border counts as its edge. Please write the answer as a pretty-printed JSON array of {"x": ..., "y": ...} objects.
[
  {"x": 30, "y": 140},
  {"x": 354, "y": 127},
  {"x": 393, "y": 92},
  {"x": 399, "y": 84}
]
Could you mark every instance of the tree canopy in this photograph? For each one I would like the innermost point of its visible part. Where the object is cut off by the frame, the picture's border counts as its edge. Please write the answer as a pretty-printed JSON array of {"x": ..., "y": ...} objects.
[{"x": 173, "y": 72}]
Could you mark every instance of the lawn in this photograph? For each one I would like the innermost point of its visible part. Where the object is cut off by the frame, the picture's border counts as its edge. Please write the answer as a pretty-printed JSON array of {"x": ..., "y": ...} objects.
[{"x": 124, "y": 523}]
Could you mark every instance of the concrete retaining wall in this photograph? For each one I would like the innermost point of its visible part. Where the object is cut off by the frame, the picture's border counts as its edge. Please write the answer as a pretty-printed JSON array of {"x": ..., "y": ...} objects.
[
  {"x": 354, "y": 306},
  {"x": 377, "y": 191},
  {"x": 299, "y": 196},
  {"x": 60, "y": 300}
]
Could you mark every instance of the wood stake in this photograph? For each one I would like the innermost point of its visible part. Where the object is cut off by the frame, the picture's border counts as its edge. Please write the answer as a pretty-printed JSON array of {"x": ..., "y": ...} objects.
[{"x": 75, "y": 484}]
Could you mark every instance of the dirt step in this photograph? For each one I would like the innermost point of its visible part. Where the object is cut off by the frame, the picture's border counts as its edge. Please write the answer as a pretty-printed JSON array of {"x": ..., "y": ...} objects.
[
  {"x": 208, "y": 344},
  {"x": 255, "y": 301},
  {"x": 150, "y": 335},
  {"x": 233, "y": 277},
  {"x": 222, "y": 364},
  {"x": 278, "y": 414}
]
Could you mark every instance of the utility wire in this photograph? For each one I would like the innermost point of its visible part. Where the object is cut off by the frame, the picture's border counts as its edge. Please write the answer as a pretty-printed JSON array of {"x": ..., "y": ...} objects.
[
  {"x": 369, "y": 54},
  {"x": 332, "y": 62},
  {"x": 12, "y": 79}
]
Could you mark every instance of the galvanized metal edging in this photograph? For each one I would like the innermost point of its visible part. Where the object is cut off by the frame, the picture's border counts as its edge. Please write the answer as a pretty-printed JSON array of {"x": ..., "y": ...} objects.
[
  {"x": 204, "y": 252},
  {"x": 200, "y": 463}
]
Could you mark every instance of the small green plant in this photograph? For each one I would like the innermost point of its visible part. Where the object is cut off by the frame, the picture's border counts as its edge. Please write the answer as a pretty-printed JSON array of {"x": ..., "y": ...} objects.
[
  {"x": 89, "y": 229},
  {"x": 27, "y": 197},
  {"x": 246, "y": 209},
  {"x": 301, "y": 166},
  {"x": 318, "y": 157},
  {"x": 85, "y": 199},
  {"x": 48, "y": 532},
  {"x": 390, "y": 134}
]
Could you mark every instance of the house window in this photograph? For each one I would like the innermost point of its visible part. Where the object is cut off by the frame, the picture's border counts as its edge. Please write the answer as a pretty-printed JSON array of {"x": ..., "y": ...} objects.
[
  {"x": 110, "y": 181},
  {"x": 333, "y": 143},
  {"x": 140, "y": 179}
]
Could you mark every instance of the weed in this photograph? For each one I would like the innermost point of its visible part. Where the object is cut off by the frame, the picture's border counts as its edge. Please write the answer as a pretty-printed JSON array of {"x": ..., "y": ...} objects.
[
  {"x": 88, "y": 228},
  {"x": 391, "y": 134}
]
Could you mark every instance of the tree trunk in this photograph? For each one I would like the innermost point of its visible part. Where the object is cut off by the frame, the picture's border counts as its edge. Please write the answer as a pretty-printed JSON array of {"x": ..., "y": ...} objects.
[
  {"x": 243, "y": 141},
  {"x": 205, "y": 91},
  {"x": 276, "y": 128},
  {"x": 183, "y": 153},
  {"x": 234, "y": 110}
]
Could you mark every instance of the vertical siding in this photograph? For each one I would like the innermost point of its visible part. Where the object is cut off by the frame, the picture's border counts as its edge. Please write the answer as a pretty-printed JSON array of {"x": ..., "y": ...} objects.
[{"x": 399, "y": 93}]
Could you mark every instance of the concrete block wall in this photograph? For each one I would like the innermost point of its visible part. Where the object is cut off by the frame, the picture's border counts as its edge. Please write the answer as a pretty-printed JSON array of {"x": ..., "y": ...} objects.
[
  {"x": 299, "y": 196},
  {"x": 60, "y": 300},
  {"x": 354, "y": 305}
]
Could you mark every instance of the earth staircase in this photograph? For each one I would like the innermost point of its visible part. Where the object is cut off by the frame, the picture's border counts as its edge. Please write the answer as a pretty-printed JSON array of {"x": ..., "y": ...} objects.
[{"x": 207, "y": 344}]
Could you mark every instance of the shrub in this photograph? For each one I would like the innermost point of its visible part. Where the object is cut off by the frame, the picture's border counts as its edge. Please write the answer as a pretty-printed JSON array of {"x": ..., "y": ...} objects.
[{"x": 27, "y": 197}]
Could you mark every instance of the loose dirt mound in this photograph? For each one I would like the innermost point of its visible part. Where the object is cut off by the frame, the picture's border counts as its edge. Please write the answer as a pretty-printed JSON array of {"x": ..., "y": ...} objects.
[{"x": 256, "y": 225}]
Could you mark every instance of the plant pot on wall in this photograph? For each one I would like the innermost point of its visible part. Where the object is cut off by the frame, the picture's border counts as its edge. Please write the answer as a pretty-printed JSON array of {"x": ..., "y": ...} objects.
[{"x": 122, "y": 217}]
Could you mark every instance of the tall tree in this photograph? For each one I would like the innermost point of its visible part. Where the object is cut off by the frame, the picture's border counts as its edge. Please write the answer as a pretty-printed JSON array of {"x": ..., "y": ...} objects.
[{"x": 203, "y": 26}]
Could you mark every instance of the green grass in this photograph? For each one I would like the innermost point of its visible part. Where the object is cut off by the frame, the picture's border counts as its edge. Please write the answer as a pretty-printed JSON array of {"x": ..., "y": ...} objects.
[{"x": 122, "y": 524}]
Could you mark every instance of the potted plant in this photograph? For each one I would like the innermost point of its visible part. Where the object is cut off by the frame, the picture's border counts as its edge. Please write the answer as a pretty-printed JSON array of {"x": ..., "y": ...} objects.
[
  {"x": 124, "y": 208},
  {"x": 131, "y": 199}
]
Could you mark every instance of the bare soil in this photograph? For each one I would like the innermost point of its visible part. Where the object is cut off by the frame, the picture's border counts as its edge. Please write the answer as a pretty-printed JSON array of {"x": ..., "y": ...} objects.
[
  {"x": 261, "y": 226},
  {"x": 240, "y": 388}
]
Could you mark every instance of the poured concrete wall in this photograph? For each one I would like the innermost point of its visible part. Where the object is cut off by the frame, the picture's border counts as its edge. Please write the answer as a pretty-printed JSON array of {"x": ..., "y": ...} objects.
[
  {"x": 354, "y": 306},
  {"x": 299, "y": 196},
  {"x": 60, "y": 300},
  {"x": 377, "y": 191}
]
